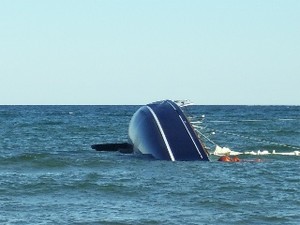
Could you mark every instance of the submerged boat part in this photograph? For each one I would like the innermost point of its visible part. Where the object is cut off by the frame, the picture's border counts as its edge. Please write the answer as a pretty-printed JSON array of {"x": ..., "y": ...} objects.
[{"x": 113, "y": 147}]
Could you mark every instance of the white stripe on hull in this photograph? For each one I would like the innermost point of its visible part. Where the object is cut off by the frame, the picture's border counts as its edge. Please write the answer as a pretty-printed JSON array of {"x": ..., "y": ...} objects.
[
  {"x": 191, "y": 137},
  {"x": 162, "y": 134}
]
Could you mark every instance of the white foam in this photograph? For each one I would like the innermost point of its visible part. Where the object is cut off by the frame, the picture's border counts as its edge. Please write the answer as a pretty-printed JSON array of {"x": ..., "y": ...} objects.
[{"x": 221, "y": 151}]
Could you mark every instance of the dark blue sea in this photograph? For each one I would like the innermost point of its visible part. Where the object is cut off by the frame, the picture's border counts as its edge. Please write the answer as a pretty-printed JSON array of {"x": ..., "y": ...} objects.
[{"x": 50, "y": 175}]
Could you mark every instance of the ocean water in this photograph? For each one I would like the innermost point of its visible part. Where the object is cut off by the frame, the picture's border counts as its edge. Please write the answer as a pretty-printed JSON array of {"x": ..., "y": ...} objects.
[{"x": 50, "y": 175}]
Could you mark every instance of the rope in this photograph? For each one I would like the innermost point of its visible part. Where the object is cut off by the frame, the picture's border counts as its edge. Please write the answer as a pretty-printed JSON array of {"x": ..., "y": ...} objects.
[
  {"x": 259, "y": 140},
  {"x": 237, "y": 135},
  {"x": 208, "y": 139}
]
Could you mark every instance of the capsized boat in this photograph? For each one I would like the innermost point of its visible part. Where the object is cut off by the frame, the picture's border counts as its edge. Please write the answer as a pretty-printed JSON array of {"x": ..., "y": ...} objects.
[{"x": 162, "y": 130}]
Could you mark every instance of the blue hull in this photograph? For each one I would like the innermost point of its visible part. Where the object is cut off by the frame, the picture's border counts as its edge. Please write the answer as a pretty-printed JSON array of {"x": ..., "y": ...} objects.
[{"x": 162, "y": 130}]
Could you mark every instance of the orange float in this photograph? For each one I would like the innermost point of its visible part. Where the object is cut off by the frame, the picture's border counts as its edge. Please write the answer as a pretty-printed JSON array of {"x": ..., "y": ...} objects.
[
  {"x": 235, "y": 159},
  {"x": 225, "y": 158}
]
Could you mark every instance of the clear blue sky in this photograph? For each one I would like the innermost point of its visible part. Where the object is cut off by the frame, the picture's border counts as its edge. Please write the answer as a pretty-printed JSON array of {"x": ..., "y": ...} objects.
[{"x": 139, "y": 51}]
